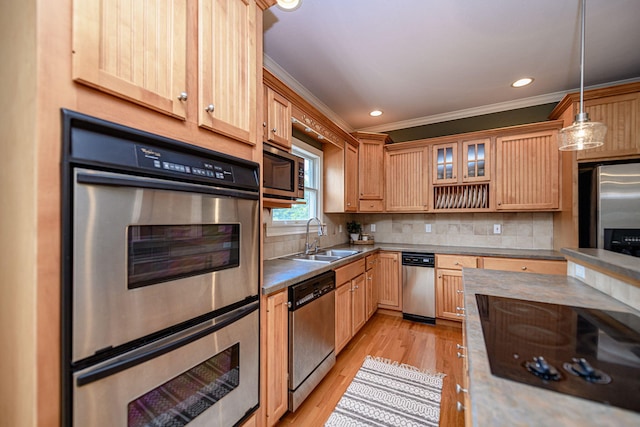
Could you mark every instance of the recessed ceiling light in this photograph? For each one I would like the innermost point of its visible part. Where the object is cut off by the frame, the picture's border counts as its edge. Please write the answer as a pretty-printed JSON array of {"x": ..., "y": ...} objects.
[
  {"x": 522, "y": 82},
  {"x": 375, "y": 113},
  {"x": 289, "y": 5}
]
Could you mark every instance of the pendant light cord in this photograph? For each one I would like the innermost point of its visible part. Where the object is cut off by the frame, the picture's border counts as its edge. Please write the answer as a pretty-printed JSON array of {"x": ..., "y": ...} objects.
[{"x": 582, "y": 60}]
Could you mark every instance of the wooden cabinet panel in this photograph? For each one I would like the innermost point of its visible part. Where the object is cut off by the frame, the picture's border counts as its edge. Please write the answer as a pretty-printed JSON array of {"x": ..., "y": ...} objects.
[
  {"x": 124, "y": 48},
  {"x": 278, "y": 119},
  {"x": 527, "y": 171},
  {"x": 277, "y": 356},
  {"x": 351, "y": 178},
  {"x": 456, "y": 262},
  {"x": 621, "y": 114},
  {"x": 407, "y": 186},
  {"x": 370, "y": 168},
  {"x": 526, "y": 265},
  {"x": 389, "y": 290},
  {"x": 343, "y": 315},
  {"x": 449, "y": 294},
  {"x": 358, "y": 304},
  {"x": 227, "y": 54}
]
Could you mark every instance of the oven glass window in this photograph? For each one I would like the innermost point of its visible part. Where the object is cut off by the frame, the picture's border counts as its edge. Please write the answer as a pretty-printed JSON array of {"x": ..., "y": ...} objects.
[
  {"x": 180, "y": 400},
  {"x": 159, "y": 253}
]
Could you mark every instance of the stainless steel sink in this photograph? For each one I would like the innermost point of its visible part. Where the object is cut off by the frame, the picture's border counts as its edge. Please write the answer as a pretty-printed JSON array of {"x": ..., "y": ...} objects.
[
  {"x": 327, "y": 256},
  {"x": 341, "y": 253}
]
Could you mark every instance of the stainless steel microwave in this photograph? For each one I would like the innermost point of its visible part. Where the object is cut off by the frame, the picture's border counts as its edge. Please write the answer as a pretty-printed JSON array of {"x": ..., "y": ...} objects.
[{"x": 282, "y": 174}]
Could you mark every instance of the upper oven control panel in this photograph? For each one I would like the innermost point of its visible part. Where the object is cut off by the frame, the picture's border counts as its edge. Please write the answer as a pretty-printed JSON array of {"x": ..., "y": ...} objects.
[{"x": 154, "y": 158}]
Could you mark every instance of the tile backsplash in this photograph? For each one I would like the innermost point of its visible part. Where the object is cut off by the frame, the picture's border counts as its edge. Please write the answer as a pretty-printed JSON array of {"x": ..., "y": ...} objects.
[{"x": 527, "y": 230}]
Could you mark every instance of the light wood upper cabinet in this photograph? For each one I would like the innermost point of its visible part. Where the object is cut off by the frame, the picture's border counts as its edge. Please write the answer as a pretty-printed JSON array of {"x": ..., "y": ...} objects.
[
  {"x": 390, "y": 282},
  {"x": 476, "y": 160},
  {"x": 407, "y": 179},
  {"x": 227, "y": 67},
  {"x": 277, "y": 356},
  {"x": 621, "y": 114},
  {"x": 473, "y": 166},
  {"x": 371, "y": 170},
  {"x": 132, "y": 51},
  {"x": 351, "y": 178},
  {"x": 527, "y": 171},
  {"x": 445, "y": 163},
  {"x": 618, "y": 107},
  {"x": 277, "y": 122}
]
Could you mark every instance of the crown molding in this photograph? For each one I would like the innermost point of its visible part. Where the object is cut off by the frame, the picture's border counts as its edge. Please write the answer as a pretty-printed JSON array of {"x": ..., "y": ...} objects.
[
  {"x": 297, "y": 87},
  {"x": 282, "y": 74}
]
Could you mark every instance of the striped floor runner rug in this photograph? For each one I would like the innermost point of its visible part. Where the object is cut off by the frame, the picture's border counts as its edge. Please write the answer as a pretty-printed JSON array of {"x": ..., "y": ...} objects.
[{"x": 386, "y": 393}]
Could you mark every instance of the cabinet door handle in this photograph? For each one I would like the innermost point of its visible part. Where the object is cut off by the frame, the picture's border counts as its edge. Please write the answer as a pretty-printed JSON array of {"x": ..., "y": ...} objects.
[
  {"x": 274, "y": 130},
  {"x": 182, "y": 96},
  {"x": 460, "y": 407},
  {"x": 460, "y": 347},
  {"x": 459, "y": 308},
  {"x": 459, "y": 389},
  {"x": 458, "y": 291},
  {"x": 209, "y": 108},
  {"x": 524, "y": 268},
  {"x": 460, "y": 355}
]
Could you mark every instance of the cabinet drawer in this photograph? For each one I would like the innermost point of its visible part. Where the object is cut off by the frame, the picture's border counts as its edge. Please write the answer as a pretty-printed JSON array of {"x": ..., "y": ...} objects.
[
  {"x": 526, "y": 265},
  {"x": 456, "y": 262},
  {"x": 370, "y": 206},
  {"x": 370, "y": 261},
  {"x": 349, "y": 271}
]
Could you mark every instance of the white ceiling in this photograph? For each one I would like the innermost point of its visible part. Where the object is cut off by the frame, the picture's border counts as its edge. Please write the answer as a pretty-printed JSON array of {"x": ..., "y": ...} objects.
[{"x": 426, "y": 61}]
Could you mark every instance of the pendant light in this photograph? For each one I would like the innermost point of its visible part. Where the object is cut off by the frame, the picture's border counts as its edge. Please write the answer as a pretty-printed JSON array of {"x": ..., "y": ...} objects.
[{"x": 583, "y": 133}]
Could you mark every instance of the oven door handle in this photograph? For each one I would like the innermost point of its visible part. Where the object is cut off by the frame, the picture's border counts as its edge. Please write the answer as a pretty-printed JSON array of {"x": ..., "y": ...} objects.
[
  {"x": 165, "y": 345},
  {"x": 85, "y": 176}
]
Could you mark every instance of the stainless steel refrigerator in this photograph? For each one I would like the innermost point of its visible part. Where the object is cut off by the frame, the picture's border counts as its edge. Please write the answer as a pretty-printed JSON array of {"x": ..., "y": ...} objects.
[{"x": 613, "y": 203}]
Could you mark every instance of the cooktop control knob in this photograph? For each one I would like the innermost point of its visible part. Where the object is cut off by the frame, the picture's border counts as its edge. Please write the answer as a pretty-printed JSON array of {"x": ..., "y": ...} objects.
[
  {"x": 580, "y": 367},
  {"x": 540, "y": 368}
]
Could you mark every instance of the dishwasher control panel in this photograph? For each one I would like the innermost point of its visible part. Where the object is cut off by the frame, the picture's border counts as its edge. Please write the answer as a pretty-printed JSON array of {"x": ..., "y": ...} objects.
[
  {"x": 419, "y": 259},
  {"x": 305, "y": 292}
]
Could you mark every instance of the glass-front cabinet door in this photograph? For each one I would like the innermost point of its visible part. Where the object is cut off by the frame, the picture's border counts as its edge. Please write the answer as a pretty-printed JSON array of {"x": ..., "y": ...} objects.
[
  {"x": 475, "y": 160},
  {"x": 445, "y": 163}
]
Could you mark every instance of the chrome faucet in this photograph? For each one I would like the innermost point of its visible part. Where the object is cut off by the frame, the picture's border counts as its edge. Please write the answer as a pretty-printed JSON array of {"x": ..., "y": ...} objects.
[{"x": 316, "y": 242}]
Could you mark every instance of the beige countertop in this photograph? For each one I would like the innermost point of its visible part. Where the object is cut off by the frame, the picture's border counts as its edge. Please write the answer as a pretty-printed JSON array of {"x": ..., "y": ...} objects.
[
  {"x": 282, "y": 273},
  {"x": 500, "y": 402}
]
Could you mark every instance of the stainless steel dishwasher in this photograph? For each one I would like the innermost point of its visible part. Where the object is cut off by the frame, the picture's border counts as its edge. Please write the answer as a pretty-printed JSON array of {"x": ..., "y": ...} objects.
[
  {"x": 311, "y": 335},
  {"x": 418, "y": 287}
]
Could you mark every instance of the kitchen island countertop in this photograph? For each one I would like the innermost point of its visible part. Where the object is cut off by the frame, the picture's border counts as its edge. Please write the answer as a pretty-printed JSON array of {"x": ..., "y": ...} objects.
[
  {"x": 281, "y": 273},
  {"x": 500, "y": 402}
]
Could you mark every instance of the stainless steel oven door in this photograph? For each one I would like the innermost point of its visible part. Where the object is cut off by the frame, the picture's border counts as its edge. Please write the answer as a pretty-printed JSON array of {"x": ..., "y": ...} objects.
[
  {"x": 149, "y": 254},
  {"x": 210, "y": 379}
]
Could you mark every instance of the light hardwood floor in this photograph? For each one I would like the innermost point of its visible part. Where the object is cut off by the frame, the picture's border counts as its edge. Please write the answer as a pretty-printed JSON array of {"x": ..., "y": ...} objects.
[{"x": 431, "y": 347}]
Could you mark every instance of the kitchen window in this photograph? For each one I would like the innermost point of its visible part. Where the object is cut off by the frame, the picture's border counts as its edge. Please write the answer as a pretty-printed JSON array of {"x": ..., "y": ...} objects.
[{"x": 293, "y": 220}]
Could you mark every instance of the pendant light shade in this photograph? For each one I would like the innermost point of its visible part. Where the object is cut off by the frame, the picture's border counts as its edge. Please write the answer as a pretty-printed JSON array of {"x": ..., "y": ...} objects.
[{"x": 583, "y": 133}]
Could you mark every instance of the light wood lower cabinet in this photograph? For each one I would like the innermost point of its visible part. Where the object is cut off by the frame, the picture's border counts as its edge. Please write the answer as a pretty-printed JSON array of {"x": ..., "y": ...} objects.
[
  {"x": 449, "y": 288},
  {"x": 390, "y": 282},
  {"x": 371, "y": 285},
  {"x": 525, "y": 265},
  {"x": 350, "y": 302},
  {"x": 277, "y": 356},
  {"x": 358, "y": 304},
  {"x": 449, "y": 294},
  {"x": 252, "y": 421}
]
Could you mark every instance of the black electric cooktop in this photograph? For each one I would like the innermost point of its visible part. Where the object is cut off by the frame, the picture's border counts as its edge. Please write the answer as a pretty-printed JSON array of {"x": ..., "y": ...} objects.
[{"x": 585, "y": 352}]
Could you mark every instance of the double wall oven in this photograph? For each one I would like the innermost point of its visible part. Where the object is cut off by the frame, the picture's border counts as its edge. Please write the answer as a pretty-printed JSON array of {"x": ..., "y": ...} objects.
[{"x": 160, "y": 303}]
